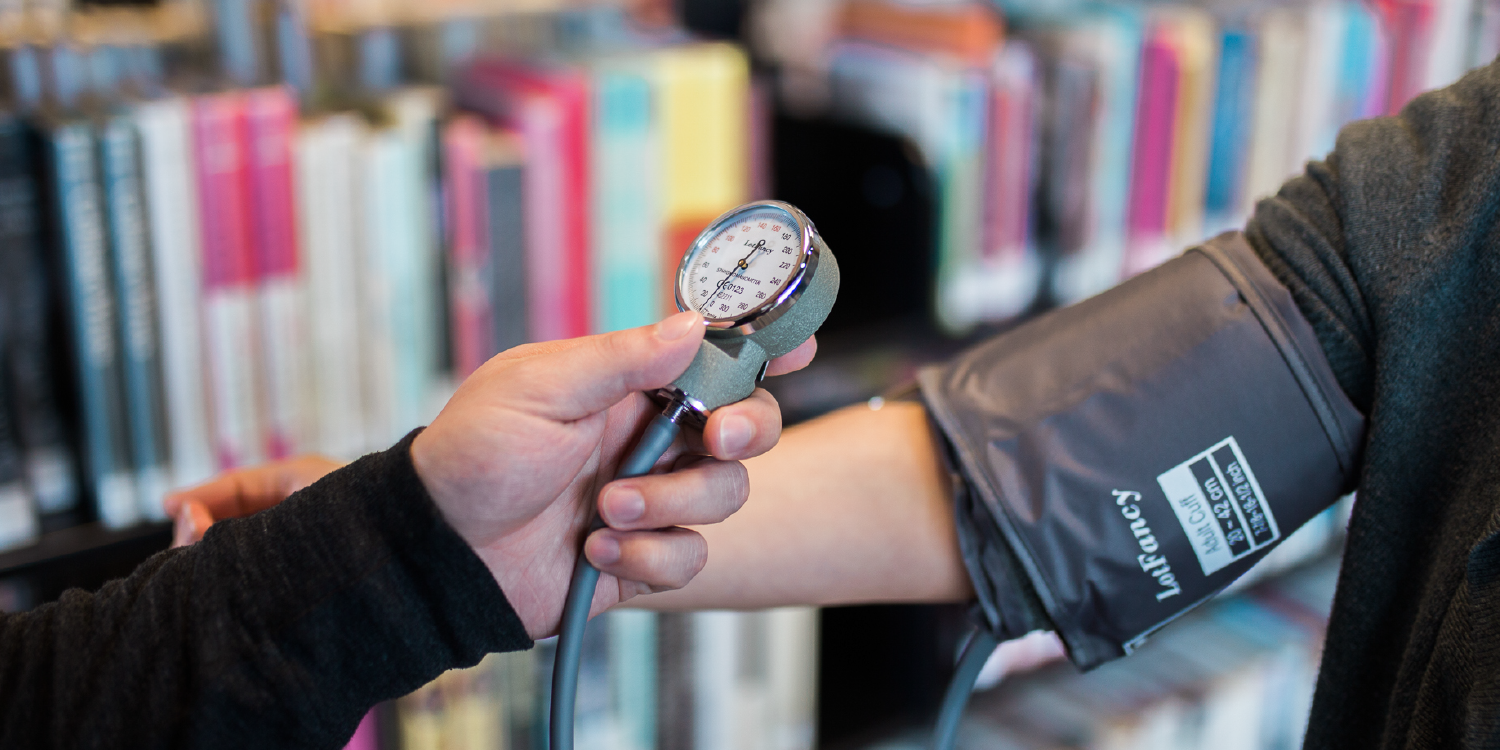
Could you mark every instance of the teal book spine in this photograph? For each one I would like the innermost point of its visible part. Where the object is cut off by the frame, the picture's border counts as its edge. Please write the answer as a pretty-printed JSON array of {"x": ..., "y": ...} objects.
[
  {"x": 627, "y": 236},
  {"x": 135, "y": 296},
  {"x": 83, "y": 242}
]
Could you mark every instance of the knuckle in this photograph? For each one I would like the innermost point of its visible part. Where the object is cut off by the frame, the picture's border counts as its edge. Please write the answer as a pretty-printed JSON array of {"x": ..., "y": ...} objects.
[
  {"x": 735, "y": 484},
  {"x": 690, "y": 554}
]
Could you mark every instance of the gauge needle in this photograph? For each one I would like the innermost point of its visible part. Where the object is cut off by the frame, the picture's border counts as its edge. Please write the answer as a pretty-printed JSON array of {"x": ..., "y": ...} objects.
[{"x": 739, "y": 267}]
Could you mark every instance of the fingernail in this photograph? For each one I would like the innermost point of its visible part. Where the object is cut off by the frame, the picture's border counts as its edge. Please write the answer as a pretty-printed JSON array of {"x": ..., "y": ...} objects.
[
  {"x": 623, "y": 505},
  {"x": 677, "y": 326},
  {"x": 606, "y": 551},
  {"x": 735, "y": 434}
]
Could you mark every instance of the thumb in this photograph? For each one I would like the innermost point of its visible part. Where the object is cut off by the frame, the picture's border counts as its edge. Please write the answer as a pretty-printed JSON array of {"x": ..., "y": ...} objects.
[{"x": 597, "y": 372}]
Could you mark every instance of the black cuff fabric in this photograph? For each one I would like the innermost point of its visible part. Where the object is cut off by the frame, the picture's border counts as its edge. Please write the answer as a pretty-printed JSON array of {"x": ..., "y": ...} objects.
[{"x": 1123, "y": 459}]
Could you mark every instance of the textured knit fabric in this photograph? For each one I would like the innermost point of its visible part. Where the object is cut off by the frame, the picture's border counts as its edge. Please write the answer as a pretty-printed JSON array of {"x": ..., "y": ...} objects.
[
  {"x": 275, "y": 631},
  {"x": 1391, "y": 248}
]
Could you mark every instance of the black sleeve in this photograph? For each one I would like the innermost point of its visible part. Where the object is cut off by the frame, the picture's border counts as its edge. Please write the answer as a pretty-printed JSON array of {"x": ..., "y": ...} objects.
[
  {"x": 277, "y": 630},
  {"x": 1391, "y": 248}
]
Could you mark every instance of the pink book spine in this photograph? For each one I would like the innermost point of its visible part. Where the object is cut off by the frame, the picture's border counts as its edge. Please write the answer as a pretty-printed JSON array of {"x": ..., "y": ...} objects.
[
  {"x": 1151, "y": 162},
  {"x": 272, "y": 122},
  {"x": 219, "y": 137},
  {"x": 469, "y": 297},
  {"x": 545, "y": 208},
  {"x": 1410, "y": 25}
]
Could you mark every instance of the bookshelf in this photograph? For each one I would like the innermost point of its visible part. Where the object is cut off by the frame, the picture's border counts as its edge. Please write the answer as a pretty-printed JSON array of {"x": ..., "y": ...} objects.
[{"x": 987, "y": 165}]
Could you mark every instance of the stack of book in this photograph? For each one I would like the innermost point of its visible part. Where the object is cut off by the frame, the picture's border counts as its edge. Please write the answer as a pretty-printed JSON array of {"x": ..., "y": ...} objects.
[
  {"x": 204, "y": 276},
  {"x": 208, "y": 280},
  {"x": 1105, "y": 136},
  {"x": 702, "y": 681}
]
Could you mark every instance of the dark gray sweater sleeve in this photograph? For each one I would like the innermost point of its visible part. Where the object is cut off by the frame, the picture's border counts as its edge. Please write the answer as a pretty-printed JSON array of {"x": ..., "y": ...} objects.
[{"x": 277, "y": 630}]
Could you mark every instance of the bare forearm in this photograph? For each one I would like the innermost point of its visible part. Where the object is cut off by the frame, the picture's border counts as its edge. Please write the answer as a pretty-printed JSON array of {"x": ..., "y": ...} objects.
[{"x": 852, "y": 507}]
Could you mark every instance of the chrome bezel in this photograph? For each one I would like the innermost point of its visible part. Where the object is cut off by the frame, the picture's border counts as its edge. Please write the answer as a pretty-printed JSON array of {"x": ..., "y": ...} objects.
[{"x": 767, "y": 312}]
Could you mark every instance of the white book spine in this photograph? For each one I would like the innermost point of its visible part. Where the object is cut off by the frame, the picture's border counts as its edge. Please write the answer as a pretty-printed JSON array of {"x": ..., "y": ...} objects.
[
  {"x": 384, "y": 273},
  {"x": 18, "y": 521},
  {"x": 716, "y": 641},
  {"x": 229, "y": 314},
  {"x": 279, "y": 299},
  {"x": 792, "y": 678},
  {"x": 173, "y": 215},
  {"x": 415, "y": 112},
  {"x": 326, "y": 198}
]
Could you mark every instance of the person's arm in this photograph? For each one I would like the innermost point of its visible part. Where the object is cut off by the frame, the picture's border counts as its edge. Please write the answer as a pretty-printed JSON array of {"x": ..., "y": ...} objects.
[
  {"x": 281, "y": 629},
  {"x": 853, "y": 507}
]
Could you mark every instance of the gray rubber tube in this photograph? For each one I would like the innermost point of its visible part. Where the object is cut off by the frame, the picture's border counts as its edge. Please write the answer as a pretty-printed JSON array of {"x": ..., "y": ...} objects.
[
  {"x": 976, "y": 653},
  {"x": 654, "y": 443}
]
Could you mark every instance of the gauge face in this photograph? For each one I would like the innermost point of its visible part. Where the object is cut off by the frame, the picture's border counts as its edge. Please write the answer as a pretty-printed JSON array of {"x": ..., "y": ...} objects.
[{"x": 743, "y": 266}]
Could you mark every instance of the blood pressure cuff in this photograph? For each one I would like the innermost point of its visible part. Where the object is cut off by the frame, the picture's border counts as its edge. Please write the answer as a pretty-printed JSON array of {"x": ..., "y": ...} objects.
[{"x": 1123, "y": 459}]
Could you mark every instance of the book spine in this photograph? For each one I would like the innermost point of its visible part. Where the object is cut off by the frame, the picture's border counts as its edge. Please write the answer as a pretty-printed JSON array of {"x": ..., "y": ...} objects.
[
  {"x": 419, "y": 334},
  {"x": 626, "y": 258},
  {"x": 505, "y": 230},
  {"x": 632, "y": 668},
  {"x": 18, "y": 519},
  {"x": 1231, "y": 131},
  {"x": 387, "y": 275},
  {"x": 547, "y": 212},
  {"x": 1194, "y": 39},
  {"x": 271, "y": 118},
  {"x": 470, "y": 311},
  {"x": 171, "y": 198},
  {"x": 676, "y": 694},
  {"x": 136, "y": 303},
  {"x": 326, "y": 193},
  {"x": 1150, "y": 172},
  {"x": 230, "y": 332},
  {"x": 792, "y": 677},
  {"x": 18, "y": 513},
  {"x": 29, "y": 294},
  {"x": 700, "y": 100},
  {"x": 96, "y": 350},
  {"x": 577, "y": 299},
  {"x": 1008, "y": 155},
  {"x": 715, "y": 676}
]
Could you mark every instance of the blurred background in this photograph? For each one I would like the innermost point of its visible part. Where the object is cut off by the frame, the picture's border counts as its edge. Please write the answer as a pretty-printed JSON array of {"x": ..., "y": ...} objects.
[{"x": 240, "y": 230}]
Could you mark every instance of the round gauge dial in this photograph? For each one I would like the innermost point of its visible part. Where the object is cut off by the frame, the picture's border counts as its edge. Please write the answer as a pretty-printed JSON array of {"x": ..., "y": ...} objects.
[{"x": 742, "y": 263}]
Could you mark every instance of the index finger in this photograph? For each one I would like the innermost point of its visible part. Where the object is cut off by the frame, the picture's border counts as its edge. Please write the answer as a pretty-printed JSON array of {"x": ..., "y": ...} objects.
[{"x": 795, "y": 359}]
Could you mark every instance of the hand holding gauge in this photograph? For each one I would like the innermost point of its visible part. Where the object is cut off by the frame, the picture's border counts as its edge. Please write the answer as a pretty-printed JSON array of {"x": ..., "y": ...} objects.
[{"x": 757, "y": 311}]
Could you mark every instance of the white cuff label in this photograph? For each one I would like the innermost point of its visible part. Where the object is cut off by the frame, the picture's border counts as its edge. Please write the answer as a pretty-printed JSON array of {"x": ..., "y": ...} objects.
[{"x": 1220, "y": 505}]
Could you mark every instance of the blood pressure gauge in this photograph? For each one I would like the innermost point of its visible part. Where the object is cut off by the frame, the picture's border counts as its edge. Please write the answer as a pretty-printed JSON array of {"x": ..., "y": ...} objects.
[{"x": 764, "y": 281}]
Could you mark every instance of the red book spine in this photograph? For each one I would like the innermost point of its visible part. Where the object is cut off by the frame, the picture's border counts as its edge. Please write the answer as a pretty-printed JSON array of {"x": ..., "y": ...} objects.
[
  {"x": 577, "y": 275},
  {"x": 468, "y": 249},
  {"x": 1012, "y": 108},
  {"x": 551, "y": 110},
  {"x": 219, "y": 138}
]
